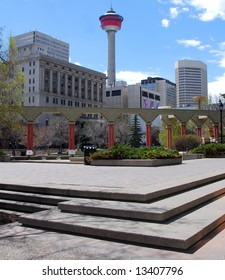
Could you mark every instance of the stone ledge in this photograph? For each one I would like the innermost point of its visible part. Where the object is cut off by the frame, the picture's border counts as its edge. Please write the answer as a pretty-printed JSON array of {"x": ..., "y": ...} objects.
[
  {"x": 136, "y": 162},
  {"x": 5, "y": 158}
]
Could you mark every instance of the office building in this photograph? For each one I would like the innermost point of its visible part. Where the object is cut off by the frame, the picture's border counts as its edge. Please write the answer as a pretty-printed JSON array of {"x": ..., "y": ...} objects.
[
  {"x": 35, "y": 42},
  {"x": 165, "y": 88},
  {"x": 131, "y": 96},
  {"x": 52, "y": 80},
  {"x": 191, "y": 81}
]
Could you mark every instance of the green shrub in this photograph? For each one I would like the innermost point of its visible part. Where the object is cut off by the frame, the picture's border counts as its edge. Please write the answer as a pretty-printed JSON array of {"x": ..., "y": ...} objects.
[
  {"x": 187, "y": 142},
  {"x": 127, "y": 152},
  {"x": 210, "y": 150},
  {"x": 2, "y": 153}
]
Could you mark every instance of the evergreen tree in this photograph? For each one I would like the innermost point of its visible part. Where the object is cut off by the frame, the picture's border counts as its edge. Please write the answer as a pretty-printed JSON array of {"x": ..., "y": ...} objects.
[{"x": 136, "y": 133}]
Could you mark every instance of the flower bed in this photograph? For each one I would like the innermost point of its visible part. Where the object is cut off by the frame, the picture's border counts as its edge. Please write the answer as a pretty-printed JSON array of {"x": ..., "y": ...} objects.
[{"x": 121, "y": 155}]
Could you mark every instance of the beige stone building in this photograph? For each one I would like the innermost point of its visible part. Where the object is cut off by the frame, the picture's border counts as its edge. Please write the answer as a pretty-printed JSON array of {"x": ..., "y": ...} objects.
[{"x": 51, "y": 80}]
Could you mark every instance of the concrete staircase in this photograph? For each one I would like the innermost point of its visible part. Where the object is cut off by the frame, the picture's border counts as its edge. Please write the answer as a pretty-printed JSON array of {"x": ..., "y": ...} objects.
[
  {"x": 178, "y": 220},
  {"x": 18, "y": 200}
]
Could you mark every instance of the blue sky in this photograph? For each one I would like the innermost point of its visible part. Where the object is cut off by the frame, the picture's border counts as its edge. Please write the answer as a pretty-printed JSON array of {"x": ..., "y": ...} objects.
[{"x": 154, "y": 35}]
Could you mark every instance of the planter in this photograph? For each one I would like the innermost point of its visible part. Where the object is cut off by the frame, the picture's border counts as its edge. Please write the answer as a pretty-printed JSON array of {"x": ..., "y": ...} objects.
[
  {"x": 192, "y": 156},
  {"x": 5, "y": 158},
  {"x": 136, "y": 162}
]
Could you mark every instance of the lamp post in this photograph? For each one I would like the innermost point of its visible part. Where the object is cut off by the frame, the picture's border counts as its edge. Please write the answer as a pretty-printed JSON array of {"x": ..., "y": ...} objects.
[{"x": 221, "y": 120}]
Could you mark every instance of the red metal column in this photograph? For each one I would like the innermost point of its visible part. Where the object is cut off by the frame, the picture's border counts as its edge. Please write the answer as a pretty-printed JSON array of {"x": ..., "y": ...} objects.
[
  {"x": 199, "y": 131},
  {"x": 183, "y": 129},
  {"x": 216, "y": 132},
  {"x": 211, "y": 132},
  {"x": 169, "y": 137},
  {"x": 30, "y": 136},
  {"x": 110, "y": 135},
  {"x": 71, "y": 136},
  {"x": 148, "y": 135}
]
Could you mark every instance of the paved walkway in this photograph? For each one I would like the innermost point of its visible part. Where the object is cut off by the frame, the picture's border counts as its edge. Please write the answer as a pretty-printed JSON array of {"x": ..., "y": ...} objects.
[{"x": 24, "y": 243}]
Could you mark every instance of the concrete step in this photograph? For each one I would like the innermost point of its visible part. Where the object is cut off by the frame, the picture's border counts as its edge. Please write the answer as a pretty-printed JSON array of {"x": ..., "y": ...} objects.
[
  {"x": 9, "y": 216},
  {"x": 114, "y": 194},
  {"x": 180, "y": 234},
  {"x": 23, "y": 206},
  {"x": 156, "y": 211},
  {"x": 32, "y": 197}
]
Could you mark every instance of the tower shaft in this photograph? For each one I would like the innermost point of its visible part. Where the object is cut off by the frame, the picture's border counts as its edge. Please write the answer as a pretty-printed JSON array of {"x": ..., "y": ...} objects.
[{"x": 111, "y": 58}]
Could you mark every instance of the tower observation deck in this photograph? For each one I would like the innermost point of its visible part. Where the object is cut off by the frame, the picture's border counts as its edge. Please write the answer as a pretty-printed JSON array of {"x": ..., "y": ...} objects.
[{"x": 111, "y": 22}]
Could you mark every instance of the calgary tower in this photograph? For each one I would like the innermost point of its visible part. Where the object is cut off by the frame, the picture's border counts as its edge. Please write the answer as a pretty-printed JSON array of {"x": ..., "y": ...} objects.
[{"x": 111, "y": 22}]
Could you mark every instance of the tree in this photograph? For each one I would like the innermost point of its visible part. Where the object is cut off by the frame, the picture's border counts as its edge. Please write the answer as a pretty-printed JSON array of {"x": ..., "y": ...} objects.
[
  {"x": 59, "y": 131},
  {"x": 136, "y": 133},
  {"x": 94, "y": 132},
  {"x": 200, "y": 100},
  {"x": 11, "y": 82},
  {"x": 122, "y": 130}
]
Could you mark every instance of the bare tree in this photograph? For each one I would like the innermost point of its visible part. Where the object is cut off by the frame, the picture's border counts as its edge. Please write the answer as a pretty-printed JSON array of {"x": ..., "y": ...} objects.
[
  {"x": 96, "y": 132},
  {"x": 123, "y": 129}
]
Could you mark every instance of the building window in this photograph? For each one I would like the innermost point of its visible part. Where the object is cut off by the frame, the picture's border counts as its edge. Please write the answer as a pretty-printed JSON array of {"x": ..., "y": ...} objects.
[
  {"x": 83, "y": 88},
  {"x": 55, "y": 101},
  {"x": 69, "y": 87},
  {"x": 63, "y": 102},
  {"x": 62, "y": 83},
  {"x": 76, "y": 84},
  {"x": 55, "y": 82},
  {"x": 100, "y": 89},
  {"x": 47, "y": 99},
  {"x": 116, "y": 92},
  {"x": 46, "y": 80},
  {"x": 89, "y": 90},
  {"x": 95, "y": 91}
]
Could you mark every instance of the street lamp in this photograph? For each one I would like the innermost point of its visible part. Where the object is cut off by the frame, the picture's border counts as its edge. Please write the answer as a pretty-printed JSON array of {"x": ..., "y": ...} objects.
[{"x": 221, "y": 120}]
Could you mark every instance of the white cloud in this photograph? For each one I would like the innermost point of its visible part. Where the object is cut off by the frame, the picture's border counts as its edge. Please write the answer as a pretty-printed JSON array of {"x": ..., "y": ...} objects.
[
  {"x": 165, "y": 23},
  {"x": 189, "y": 43},
  {"x": 209, "y": 10},
  {"x": 204, "y": 10},
  {"x": 220, "y": 54},
  {"x": 77, "y": 63},
  {"x": 174, "y": 13},
  {"x": 193, "y": 43},
  {"x": 178, "y": 2},
  {"x": 216, "y": 87},
  {"x": 133, "y": 77}
]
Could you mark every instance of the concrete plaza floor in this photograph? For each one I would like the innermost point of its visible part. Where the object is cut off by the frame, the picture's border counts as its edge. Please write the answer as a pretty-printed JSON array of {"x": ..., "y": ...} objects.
[{"x": 20, "y": 243}]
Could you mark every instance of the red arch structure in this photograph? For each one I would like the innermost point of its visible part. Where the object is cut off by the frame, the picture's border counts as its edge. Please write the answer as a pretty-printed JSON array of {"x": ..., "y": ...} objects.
[{"x": 169, "y": 116}]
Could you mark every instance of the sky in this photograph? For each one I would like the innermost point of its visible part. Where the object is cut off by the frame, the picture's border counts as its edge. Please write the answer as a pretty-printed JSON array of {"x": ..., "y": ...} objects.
[{"x": 154, "y": 34}]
